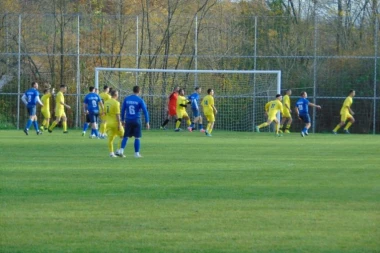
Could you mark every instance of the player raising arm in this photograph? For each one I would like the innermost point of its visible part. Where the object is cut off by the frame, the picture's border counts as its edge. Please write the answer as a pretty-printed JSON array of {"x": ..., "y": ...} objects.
[
  {"x": 271, "y": 109},
  {"x": 346, "y": 114},
  {"x": 302, "y": 110}
]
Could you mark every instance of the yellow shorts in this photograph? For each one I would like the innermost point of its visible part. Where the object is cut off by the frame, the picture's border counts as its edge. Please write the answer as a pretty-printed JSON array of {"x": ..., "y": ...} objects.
[
  {"x": 345, "y": 116},
  {"x": 182, "y": 114},
  {"x": 113, "y": 131},
  {"x": 272, "y": 117},
  {"x": 286, "y": 114},
  {"x": 46, "y": 114},
  {"x": 60, "y": 114},
  {"x": 210, "y": 117},
  {"x": 103, "y": 118}
]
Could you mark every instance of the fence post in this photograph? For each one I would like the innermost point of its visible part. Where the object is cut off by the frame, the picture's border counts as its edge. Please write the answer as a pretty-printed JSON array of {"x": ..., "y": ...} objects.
[
  {"x": 19, "y": 72},
  {"x": 254, "y": 76},
  {"x": 78, "y": 75},
  {"x": 196, "y": 50},
  {"x": 315, "y": 67},
  {"x": 375, "y": 76},
  {"x": 137, "y": 47}
]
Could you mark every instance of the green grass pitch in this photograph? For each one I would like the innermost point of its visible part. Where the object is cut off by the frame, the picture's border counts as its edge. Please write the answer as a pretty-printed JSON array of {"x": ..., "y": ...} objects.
[{"x": 233, "y": 192}]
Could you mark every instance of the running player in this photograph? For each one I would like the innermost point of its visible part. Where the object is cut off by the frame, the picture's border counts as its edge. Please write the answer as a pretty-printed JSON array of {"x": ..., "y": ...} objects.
[
  {"x": 271, "y": 109},
  {"x": 346, "y": 114}
]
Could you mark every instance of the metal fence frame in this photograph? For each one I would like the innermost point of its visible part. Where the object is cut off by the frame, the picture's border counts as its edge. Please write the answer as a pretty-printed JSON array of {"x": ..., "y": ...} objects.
[{"x": 315, "y": 57}]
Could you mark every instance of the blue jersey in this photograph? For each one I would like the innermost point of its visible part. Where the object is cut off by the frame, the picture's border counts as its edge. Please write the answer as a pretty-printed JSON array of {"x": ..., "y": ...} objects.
[
  {"x": 92, "y": 101},
  {"x": 32, "y": 96},
  {"x": 131, "y": 108},
  {"x": 303, "y": 106},
  {"x": 194, "y": 98}
]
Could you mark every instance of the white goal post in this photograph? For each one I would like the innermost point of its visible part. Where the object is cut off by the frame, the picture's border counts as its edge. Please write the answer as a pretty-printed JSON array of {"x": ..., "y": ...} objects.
[{"x": 240, "y": 95}]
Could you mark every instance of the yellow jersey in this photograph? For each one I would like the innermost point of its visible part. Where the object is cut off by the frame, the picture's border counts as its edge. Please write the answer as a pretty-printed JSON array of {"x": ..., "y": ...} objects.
[
  {"x": 347, "y": 104},
  {"x": 181, "y": 100},
  {"x": 59, "y": 101},
  {"x": 286, "y": 101},
  {"x": 274, "y": 106},
  {"x": 207, "y": 104},
  {"x": 112, "y": 107},
  {"x": 45, "y": 99},
  {"x": 104, "y": 96}
]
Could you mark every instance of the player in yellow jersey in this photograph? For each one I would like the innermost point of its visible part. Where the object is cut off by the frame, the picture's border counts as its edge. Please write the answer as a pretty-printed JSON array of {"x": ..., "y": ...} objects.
[
  {"x": 182, "y": 103},
  {"x": 103, "y": 123},
  {"x": 346, "y": 114},
  {"x": 114, "y": 125},
  {"x": 209, "y": 111},
  {"x": 60, "y": 106},
  {"x": 287, "y": 115},
  {"x": 45, "y": 110},
  {"x": 271, "y": 109}
]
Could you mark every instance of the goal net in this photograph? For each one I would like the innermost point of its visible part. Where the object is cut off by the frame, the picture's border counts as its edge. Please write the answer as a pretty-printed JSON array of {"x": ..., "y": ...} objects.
[{"x": 240, "y": 95}]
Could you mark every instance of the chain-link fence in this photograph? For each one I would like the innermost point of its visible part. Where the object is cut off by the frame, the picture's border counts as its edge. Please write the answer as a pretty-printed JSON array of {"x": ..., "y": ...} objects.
[{"x": 316, "y": 56}]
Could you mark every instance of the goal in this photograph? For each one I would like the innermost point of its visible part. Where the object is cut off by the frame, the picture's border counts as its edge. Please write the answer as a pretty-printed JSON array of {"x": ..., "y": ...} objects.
[{"x": 240, "y": 95}]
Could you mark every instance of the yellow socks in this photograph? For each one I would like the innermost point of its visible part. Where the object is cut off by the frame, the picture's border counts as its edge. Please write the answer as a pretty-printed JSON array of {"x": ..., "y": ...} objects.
[
  {"x": 53, "y": 125},
  {"x": 348, "y": 126},
  {"x": 263, "y": 125},
  {"x": 336, "y": 128}
]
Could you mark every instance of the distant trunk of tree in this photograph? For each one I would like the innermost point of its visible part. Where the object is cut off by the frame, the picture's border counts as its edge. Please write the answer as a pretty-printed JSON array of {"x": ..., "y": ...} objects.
[{"x": 339, "y": 25}]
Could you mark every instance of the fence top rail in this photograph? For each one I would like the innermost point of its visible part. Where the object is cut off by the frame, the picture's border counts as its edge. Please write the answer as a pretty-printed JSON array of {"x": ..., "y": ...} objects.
[{"x": 189, "y": 71}]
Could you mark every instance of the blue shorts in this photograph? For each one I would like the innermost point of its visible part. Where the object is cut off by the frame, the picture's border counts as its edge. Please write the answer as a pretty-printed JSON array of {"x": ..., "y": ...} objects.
[
  {"x": 305, "y": 118},
  {"x": 133, "y": 128},
  {"x": 32, "y": 110},
  {"x": 88, "y": 120},
  {"x": 93, "y": 117},
  {"x": 196, "y": 113}
]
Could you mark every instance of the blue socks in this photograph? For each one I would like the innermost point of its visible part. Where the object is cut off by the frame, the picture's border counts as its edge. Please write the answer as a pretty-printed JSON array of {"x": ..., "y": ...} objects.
[
  {"x": 85, "y": 126},
  {"x": 28, "y": 124},
  {"x": 137, "y": 145},
  {"x": 124, "y": 142},
  {"x": 35, "y": 124}
]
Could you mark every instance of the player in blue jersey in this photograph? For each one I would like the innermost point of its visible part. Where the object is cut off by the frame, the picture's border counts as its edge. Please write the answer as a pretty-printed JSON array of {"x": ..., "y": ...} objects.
[
  {"x": 131, "y": 116},
  {"x": 91, "y": 104},
  {"x": 302, "y": 110},
  {"x": 194, "y": 100},
  {"x": 30, "y": 98}
]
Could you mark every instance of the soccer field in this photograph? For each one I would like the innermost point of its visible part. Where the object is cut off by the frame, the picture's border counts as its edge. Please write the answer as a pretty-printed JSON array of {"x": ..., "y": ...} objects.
[{"x": 233, "y": 192}]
